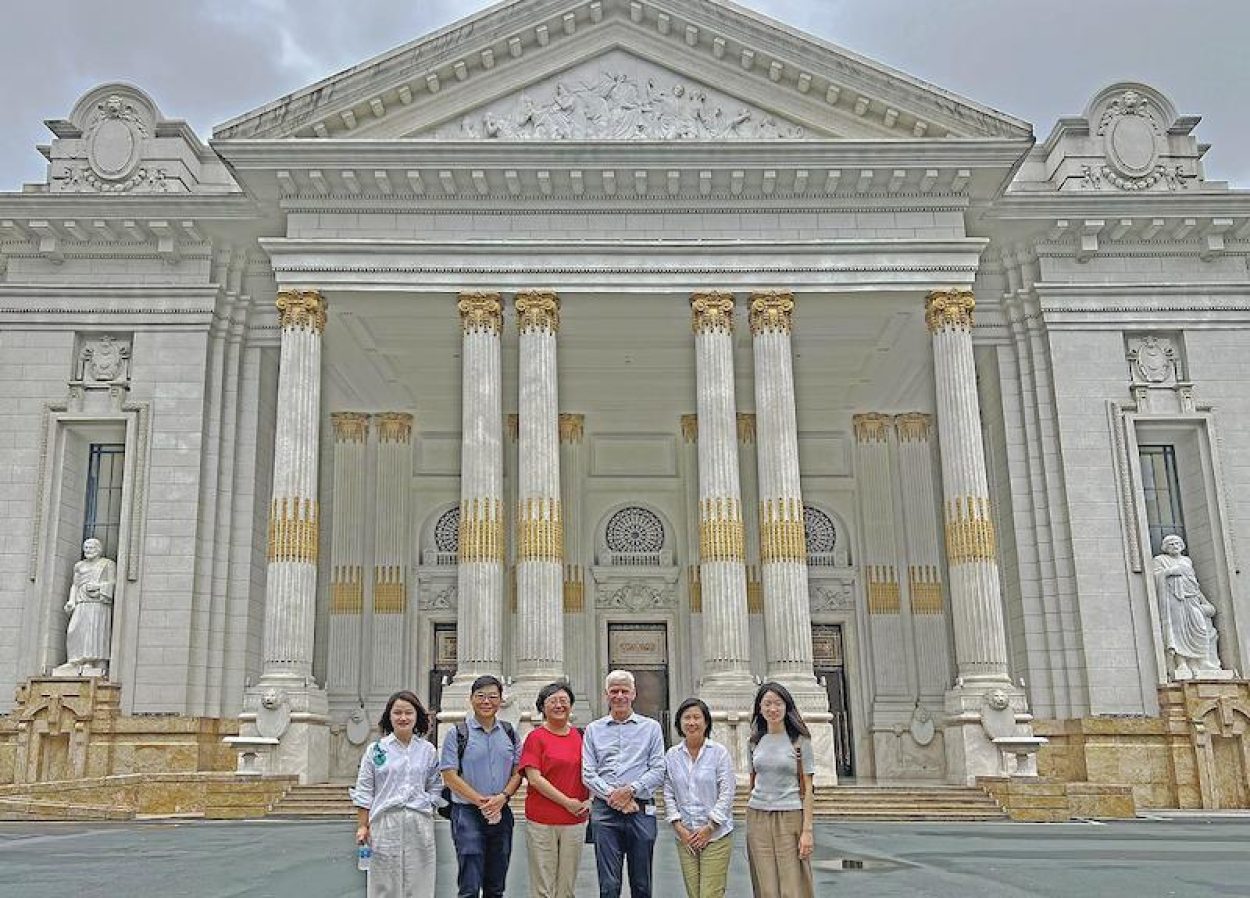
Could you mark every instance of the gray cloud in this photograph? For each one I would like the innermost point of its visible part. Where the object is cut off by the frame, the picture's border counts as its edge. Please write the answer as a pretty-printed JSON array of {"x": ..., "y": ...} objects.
[{"x": 210, "y": 61}]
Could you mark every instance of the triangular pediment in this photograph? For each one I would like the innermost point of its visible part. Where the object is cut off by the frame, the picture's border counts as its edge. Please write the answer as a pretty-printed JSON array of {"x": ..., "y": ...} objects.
[{"x": 621, "y": 69}]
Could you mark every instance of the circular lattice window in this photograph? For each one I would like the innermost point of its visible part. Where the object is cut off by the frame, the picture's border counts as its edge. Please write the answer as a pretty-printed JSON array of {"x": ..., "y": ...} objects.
[
  {"x": 818, "y": 531},
  {"x": 447, "y": 531},
  {"x": 635, "y": 530}
]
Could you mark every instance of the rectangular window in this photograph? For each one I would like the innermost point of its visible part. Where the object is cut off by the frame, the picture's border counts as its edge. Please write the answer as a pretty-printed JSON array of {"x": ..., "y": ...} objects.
[
  {"x": 103, "y": 518},
  {"x": 1162, "y": 490}
]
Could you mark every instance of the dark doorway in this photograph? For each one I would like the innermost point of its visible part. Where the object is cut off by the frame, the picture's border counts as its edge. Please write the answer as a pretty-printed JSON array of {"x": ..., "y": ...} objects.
[
  {"x": 642, "y": 649},
  {"x": 830, "y": 667},
  {"x": 443, "y": 668}
]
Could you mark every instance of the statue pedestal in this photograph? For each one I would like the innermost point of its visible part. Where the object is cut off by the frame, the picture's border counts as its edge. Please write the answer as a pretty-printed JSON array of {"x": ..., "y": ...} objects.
[
  {"x": 57, "y": 718},
  {"x": 296, "y": 713},
  {"x": 976, "y": 715}
]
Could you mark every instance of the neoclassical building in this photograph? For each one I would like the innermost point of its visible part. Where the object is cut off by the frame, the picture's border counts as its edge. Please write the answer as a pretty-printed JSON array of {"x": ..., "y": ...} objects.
[{"x": 587, "y": 334}]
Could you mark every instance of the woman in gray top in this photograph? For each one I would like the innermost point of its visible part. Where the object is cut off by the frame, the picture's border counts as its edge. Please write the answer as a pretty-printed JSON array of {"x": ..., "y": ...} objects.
[{"x": 779, "y": 812}]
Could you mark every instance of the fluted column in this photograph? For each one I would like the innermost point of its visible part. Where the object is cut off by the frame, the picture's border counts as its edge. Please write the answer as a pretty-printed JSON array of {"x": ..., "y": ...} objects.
[
  {"x": 294, "y": 519},
  {"x": 539, "y": 634},
  {"x": 579, "y": 642},
  {"x": 391, "y": 541},
  {"x": 479, "y": 631},
  {"x": 727, "y": 683},
  {"x": 980, "y": 638},
  {"x": 347, "y": 552}
]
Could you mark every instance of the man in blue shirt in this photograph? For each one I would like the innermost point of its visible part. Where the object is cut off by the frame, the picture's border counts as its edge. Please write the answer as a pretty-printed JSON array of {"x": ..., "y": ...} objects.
[
  {"x": 482, "y": 778},
  {"x": 623, "y": 765}
]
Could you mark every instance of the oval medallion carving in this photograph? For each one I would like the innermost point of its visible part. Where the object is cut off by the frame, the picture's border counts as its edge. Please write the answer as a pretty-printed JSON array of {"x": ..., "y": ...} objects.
[
  {"x": 1132, "y": 145},
  {"x": 113, "y": 148}
]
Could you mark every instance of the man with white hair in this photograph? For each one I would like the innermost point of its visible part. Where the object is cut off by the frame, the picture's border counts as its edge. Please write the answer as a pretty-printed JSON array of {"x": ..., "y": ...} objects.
[{"x": 623, "y": 765}]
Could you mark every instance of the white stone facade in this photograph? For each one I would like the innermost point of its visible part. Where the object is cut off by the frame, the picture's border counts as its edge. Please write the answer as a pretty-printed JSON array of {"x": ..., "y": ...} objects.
[{"x": 976, "y": 517}]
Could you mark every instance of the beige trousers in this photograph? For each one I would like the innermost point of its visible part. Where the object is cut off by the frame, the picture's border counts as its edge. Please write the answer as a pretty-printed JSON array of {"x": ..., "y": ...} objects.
[
  {"x": 706, "y": 874},
  {"x": 773, "y": 853},
  {"x": 554, "y": 853},
  {"x": 403, "y": 855}
]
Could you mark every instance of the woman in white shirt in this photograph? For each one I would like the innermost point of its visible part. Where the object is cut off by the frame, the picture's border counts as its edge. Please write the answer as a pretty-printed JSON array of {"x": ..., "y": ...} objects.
[
  {"x": 396, "y": 792},
  {"x": 699, "y": 797}
]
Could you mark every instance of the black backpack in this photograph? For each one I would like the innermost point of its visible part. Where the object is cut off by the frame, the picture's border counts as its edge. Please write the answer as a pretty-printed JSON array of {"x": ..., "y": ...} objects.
[{"x": 462, "y": 742}]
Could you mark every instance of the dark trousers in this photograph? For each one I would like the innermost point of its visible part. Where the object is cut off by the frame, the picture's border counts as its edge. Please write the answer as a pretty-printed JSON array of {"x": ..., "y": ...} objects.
[
  {"x": 482, "y": 851},
  {"x": 622, "y": 839}
]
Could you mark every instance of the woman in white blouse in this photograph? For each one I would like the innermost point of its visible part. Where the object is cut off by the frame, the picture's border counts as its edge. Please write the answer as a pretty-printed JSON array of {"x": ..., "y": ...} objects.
[
  {"x": 396, "y": 792},
  {"x": 699, "y": 797}
]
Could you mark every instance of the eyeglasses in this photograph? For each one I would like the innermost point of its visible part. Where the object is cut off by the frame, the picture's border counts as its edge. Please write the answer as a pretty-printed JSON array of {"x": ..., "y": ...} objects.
[{"x": 486, "y": 697}]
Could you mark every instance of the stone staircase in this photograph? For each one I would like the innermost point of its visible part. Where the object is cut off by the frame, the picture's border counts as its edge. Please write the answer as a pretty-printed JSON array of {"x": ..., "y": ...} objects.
[{"x": 838, "y": 803}]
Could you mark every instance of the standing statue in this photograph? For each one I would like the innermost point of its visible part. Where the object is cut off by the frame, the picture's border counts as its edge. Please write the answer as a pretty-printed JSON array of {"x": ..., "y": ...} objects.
[
  {"x": 90, "y": 608},
  {"x": 1185, "y": 614}
]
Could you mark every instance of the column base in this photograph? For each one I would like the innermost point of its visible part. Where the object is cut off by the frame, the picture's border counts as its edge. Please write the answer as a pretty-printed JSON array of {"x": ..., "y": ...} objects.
[
  {"x": 296, "y": 712},
  {"x": 976, "y": 714}
]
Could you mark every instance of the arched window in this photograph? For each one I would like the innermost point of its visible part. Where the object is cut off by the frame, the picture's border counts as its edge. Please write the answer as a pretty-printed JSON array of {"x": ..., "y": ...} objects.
[
  {"x": 635, "y": 536},
  {"x": 446, "y": 537},
  {"x": 821, "y": 535}
]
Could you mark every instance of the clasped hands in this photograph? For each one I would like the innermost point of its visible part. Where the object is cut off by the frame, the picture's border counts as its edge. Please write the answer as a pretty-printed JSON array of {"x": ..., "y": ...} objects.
[
  {"x": 622, "y": 799},
  {"x": 695, "y": 840},
  {"x": 492, "y": 806}
]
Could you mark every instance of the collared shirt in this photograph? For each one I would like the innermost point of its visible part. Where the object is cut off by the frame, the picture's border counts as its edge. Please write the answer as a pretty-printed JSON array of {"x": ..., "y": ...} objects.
[
  {"x": 700, "y": 790},
  {"x": 394, "y": 775},
  {"x": 490, "y": 758},
  {"x": 627, "y": 752}
]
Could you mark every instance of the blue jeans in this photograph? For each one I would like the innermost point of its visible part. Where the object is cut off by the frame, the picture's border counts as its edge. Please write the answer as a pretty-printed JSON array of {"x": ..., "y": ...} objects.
[
  {"x": 622, "y": 839},
  {"x": 482, "y": 851}
]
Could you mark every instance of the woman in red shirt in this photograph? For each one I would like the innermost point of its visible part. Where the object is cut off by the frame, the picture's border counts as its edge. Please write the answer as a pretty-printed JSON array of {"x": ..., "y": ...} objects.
[{"x": 557, "y": 804}]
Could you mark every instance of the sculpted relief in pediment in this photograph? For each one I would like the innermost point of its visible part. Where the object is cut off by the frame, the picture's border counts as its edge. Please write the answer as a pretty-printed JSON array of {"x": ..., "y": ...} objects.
[{"x": 619, "y": 97}]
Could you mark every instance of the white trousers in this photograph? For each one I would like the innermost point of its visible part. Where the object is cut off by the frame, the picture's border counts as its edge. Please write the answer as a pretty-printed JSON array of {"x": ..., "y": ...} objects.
[{"x": 403, "y": 855}]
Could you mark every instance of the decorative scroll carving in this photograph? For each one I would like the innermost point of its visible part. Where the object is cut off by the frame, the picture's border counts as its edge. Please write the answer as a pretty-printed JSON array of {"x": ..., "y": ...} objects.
[
  {"x": 294, "y": 528},
  {"x": 538, "y": 310},
  {"x": 949, "y": 310},
  {"x": 712, "y": 311},
  {"x": 480, "y": 312},
  {"x": 771, "y": 310},
  {"x": 969, "y": 531},
  {"x": 638, "y": 595},
  {"x": 720, "y": 531},
  {"x": 301, "y": 310}
]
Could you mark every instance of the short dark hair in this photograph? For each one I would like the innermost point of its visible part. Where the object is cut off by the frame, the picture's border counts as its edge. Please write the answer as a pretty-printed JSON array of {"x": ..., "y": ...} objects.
[
  {"x": 422, "y": 725},
  {"x": 551, "y": 689},
  {"x": 486, "y": 680},
  {"x": 703, "y": 708}
]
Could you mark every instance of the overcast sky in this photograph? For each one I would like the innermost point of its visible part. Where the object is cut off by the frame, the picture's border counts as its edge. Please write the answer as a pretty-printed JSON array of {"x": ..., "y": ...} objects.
[{"x": 208, "y": 60}]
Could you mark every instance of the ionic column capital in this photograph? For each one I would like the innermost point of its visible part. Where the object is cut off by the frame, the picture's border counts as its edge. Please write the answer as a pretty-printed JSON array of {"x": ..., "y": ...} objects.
[
  {"x": 771, "y": 310},
  {"x": 301, "y": 310},
  {"x": 350, "y": 427},
  {"x": 538, "y": 310},
  {"x": 949, "y": 310},
  {"x": 394, "y": 427},
  {"x": 480, "y": 312},
  {"x": 712, "y": 311}
]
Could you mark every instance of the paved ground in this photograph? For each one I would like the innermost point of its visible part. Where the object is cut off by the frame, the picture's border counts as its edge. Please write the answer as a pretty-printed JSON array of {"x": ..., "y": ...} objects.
[{"x": 1195, "y": 857}]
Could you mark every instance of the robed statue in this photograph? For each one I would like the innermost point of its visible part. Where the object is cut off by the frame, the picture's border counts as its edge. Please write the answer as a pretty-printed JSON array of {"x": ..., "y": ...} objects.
[
  {"x": 1186, "y": 616},
  {"x": 90, "y": 609}
]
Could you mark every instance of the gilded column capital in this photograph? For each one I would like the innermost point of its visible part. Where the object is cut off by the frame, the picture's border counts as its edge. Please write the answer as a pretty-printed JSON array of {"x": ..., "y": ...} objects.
[
  {"x": 302, "y": 310},
  {"x": 571, "y": 428},
  {"x": 949, "y": 310},
  {"x": 394, "y": 427},
  {"x": 712, "y": 311},
  {"x": 913, "y": 427},
  {"x": 690, "y": 428},
  {"x": 480, "y": 312},
  {"x": 746, "y": 427},
  {"x": 771, "y": 310},
  {"x": 350, "y": 427},
  {"x": 538, "y": 310},
  {"x": 872, "y": 427}
]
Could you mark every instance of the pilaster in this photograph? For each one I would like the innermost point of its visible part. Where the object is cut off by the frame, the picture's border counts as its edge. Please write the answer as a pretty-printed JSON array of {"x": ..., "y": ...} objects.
[
  {"x": 391, "y": 541},
  {"x": 347, "y": 556}
]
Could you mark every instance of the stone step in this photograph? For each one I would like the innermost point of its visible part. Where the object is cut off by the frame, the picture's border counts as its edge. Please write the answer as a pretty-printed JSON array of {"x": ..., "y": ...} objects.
[{"x": 33, "y": 809}]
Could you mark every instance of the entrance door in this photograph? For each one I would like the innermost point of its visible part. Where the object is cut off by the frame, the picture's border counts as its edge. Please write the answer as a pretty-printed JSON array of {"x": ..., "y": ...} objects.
[
  {"x": 830, "y": 666},
  {"x": 443, "y": 669},
  {"x": 642, "y": 649}
]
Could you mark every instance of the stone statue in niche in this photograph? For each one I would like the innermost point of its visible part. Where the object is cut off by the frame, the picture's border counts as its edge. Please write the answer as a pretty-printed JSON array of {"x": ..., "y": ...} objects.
[
  {"x": 90, "y": 609},
  {"x": 104, "y": 361},
  {"x": 1186, "y": 616}
]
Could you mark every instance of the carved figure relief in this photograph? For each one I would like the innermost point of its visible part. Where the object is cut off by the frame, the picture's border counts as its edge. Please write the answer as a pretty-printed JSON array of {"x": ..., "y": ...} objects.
[
  {"x": 830, "y": 595},
  {"x": 438, "y": 599},
  {"x": 103, "y": 360},
  {"x": 1154, "y": 360}
]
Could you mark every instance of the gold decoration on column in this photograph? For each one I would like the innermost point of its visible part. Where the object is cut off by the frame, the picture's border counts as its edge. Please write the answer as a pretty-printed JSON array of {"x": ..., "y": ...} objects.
[
  {"x": 720, "y": 531},
  {"x": 695, "y": 588},
  {"x": 350, "y": 427},
  {"x": 925, "y": 588},
  {"x": 746, "y": 427},
  {"x": 571, "y": 428},
  {"x": 390, "y": 592},
  {"x": 347, "y": 589},
  {"x": 293, "y": 530},
  {"x": 690, "y": 428},
  {"x": 481, "y": 531},
  {"x": 537, "y": 310},
  {"x": 755, "y": 591},
  {"x": 574, "y": 589},
  {"x": 913, "y": 427},
  {"x": 512, "y": 426},
  {"x": 712, "y": 310},
  {"x": 872, "y": 427},
  {"x": 394, "y": 427},
  {"x": 781, "y": 531},
  {"x": 771, "y": 310},
  {"x": 969, "y": 530},
  {"x": 511, "y": 589},
  {"x": 883, "y": 590},
  {"x": 539, "y": 530},
  {"x": 480, "y": 312},
  {"x": 949, "y": 310},
  {"x": 302, "y": 309}
]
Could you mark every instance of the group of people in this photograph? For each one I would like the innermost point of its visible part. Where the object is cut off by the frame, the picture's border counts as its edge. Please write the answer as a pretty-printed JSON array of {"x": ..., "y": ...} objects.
[{"x": 595, "y": 786}]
